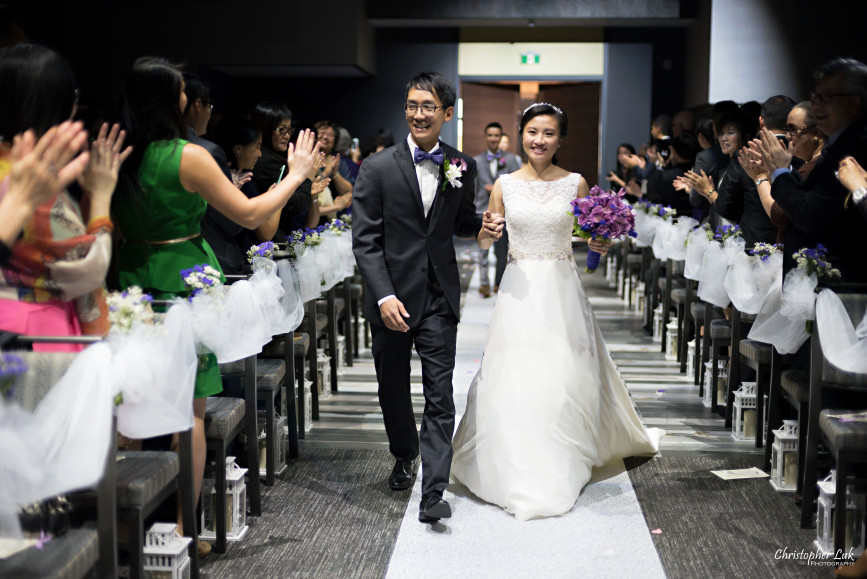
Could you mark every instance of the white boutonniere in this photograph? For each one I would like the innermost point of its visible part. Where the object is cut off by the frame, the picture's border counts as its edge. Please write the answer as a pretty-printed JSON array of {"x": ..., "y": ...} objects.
[{"x": 454, "y": 170}]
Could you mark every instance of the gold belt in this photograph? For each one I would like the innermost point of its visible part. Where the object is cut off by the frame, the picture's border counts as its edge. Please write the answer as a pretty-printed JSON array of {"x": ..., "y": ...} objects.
[{"x": 167, "y": 241}]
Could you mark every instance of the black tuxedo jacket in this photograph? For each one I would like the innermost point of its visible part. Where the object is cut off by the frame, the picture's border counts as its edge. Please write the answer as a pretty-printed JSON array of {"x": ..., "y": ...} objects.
[
  {"x": 394, "y": 245},
  {"x": 816, "y": 212}
]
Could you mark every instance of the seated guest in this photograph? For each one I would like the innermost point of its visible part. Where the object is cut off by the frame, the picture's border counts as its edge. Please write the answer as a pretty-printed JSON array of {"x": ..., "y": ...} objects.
[
  {"x": 165, "y": 188},
  {"x": 275, "y": 120},
  {"x": 817, "y": 206},
  {"x": 712, "y": 162},
  {"x": 660, "y": 186},
  {"x": 621, "y": 174},
  {"x": 805, "y": 143},
  {"x": 338, "y": 195},
  {"x": 34, "y": 179},
  {"x": 52, "y": 283},
  {"x": 217, "y": 229}
]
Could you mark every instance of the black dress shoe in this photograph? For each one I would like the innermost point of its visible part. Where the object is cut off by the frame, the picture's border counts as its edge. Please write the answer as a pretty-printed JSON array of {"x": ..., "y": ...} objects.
[
  {"x": 433, "y": 508},
  {"x": 401, "y": 476}
]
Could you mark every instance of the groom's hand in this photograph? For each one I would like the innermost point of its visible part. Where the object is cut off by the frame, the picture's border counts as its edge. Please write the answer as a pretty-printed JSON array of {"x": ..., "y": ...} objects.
[
  {"x": 393, "y": 313},
  {"x": 492, "y": 226}
]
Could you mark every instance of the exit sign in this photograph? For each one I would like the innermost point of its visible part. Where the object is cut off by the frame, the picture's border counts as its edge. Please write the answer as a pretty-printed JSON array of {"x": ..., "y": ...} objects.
[{"x": 530, "y": 58}]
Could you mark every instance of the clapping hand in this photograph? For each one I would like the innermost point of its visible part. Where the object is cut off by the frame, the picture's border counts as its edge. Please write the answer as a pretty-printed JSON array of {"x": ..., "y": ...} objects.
[
  {"x": 42, "y": 169},
  {"x": 240, "y": 179},
  {"x": 303, "y": 154},
  {"x": 681, "y": 183},
  {"x": 851, "y": 175},
  {"x": 106, "y": 157},
  {"x": 631, "y": 161},
  {"x": 341, "y": 202},
  {"x": 751, "y": 160},
  {"x": 319, "y": 185},
  {"x": 492, "y": 226},
  {"x": 701, "y": 183},
  {"x": 774, "y": 155}
]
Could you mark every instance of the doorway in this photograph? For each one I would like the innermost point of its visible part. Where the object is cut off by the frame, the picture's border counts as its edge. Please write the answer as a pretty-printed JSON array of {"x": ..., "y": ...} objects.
[{"x": 505, "y": 101}]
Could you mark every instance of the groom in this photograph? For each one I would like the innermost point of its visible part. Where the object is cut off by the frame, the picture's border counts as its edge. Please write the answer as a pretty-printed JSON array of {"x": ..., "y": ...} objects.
[{"x": 408, "y": 202}]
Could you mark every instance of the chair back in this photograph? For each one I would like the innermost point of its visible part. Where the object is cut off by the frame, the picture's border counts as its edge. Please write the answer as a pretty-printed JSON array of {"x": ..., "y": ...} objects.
[{"x": 856, "y": 306}]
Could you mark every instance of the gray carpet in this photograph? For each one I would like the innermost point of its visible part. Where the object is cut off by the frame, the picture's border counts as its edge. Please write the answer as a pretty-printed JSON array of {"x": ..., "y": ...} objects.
[
  {"x": 330, "y": 515},
  {"x": 716, "y": 528}
]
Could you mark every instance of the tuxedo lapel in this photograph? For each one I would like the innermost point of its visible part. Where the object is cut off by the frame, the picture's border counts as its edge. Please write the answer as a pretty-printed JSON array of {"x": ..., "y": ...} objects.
[
  {"x": 407, "y": 169},
  {"x": 437, "y": 203}
]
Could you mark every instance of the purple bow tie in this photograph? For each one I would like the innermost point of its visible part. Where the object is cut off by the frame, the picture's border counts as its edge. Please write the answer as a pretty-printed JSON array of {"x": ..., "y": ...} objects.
[
  {"x": 491, "y": 156},
  {"x": 436, "y": 156}
]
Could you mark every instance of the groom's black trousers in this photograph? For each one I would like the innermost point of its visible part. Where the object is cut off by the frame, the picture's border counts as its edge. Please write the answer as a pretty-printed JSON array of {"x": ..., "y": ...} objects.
[{"x": 435, "y": 337}]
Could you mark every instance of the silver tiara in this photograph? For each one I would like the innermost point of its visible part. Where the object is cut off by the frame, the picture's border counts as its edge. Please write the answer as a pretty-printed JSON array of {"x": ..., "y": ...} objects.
[{"x": 555, "y": 107}]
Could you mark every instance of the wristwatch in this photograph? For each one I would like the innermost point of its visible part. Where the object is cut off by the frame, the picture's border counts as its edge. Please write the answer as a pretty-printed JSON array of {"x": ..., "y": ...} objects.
[
  {"x": 858, "y": 195},
  {"x": 760, "y": 180}
]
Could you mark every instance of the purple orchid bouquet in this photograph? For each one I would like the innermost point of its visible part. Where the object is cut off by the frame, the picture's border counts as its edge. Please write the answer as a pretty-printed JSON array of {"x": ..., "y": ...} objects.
[{"x": 602, "y": 214}]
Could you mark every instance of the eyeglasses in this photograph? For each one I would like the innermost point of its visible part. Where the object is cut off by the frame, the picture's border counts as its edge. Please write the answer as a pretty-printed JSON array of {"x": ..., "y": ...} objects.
[
  {"x": 826, "y": 98},
  {"x": 426, "y": 108},
  {"x": 283, "y": 131},
  {"x": 792, "y": 130}
]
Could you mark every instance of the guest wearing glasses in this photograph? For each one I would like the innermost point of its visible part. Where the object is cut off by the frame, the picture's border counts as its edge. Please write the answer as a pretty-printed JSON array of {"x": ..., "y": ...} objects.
[
  {"x": 275, "y": 120},
  {"x": 805, "y": 143},
  {"x": 338, "y": 195},
  {"x": 817, "y": 206}
]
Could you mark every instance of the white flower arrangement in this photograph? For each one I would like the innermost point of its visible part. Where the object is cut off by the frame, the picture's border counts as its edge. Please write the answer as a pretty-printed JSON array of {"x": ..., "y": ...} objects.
[
  {"x": 454, "y": 170},
  {"x": 127, "y": 307},
  {"x": 202, "y": 278},
  {"x": 264, "y": 250}
]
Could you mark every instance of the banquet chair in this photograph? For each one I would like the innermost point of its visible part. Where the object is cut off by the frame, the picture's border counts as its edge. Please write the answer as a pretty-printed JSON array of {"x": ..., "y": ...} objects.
[
  {"x": 84, "y": 551},
  {"x": 673, "y": 279},
  {"x": 825, "y": 381}
]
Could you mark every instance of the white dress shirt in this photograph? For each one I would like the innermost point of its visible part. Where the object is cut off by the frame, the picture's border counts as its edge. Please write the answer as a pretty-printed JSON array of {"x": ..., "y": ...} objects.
[{"x": 428, "y": 176}]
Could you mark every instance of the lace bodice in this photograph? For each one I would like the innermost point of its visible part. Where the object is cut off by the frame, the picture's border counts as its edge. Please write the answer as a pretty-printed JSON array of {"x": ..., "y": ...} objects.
[{"x": 539, "y": 217}]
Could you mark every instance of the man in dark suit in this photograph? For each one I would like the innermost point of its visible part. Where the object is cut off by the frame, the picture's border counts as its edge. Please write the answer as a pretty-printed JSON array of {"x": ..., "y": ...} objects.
[
  {"x": 817, "y": 207},
  {"x": 489, "y": 166},
  {"x": 409, "y": 201}
]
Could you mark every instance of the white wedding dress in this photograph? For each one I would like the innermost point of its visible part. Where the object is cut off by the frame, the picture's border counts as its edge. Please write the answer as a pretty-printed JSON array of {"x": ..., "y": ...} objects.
[{"x": 547, "y": 404}]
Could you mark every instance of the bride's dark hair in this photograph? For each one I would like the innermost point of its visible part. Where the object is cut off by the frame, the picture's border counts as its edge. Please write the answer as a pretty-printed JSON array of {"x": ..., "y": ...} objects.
[{"x": 539, "y": 109}]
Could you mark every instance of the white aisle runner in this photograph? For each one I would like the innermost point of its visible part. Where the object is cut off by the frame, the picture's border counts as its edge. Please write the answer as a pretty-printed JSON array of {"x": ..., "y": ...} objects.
[{"x": 605, "y": 535}]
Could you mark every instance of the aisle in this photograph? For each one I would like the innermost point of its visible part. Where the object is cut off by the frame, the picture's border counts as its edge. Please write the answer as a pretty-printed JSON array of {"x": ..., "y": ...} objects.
[{"x": 605, "y": 535}]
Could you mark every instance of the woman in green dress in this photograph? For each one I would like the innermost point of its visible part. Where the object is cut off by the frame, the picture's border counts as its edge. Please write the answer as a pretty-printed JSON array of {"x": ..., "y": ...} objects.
[{"x": 165, "y": 187}]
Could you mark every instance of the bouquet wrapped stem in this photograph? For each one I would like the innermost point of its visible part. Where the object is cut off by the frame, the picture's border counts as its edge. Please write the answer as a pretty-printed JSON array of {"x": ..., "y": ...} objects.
[{"x": 602, "y": 214}]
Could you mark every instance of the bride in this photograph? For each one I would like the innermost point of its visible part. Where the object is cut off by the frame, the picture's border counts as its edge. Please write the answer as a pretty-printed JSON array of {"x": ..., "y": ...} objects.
[{"x": 547, "y": 404}]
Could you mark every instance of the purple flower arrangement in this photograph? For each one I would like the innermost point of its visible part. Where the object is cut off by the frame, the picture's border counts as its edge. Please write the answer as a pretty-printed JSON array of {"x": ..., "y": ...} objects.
[
  {"x": 723, "y": 232},
  {"x": 815, "y": 261},
  {"x": 201, "y": 278},
  {"x": 265, "y": 250},
  {"x": 602, "y": 214},
  {"x": 11, "y": 367}
]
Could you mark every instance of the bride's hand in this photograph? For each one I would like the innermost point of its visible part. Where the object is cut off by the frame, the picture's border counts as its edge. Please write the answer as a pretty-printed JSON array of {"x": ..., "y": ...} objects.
[
  {"x": 492, "y": 226},
  {"x": 599, "y": 246}
]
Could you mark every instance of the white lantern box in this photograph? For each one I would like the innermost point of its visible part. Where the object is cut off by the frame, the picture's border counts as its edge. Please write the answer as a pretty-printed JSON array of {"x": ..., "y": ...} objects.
[
  {"x": 341, "y": 355},
  {"x": 323, "y": 370},
  {"x": 855, "y": 504},
  {"x": 745, "y": 420},
  {"x": 671, "y": 340},
  {"x": 721, "y": 378},
  {"x": 638, "y": 297},
  {"x": 308, "y": 405},
  {"x": 657, "y": 323},
  {"x": 784, "y": 457},
  {"x": 166, "y": 553},
  {"x": 280, "y": 442},
  {"x": 621, "y": 282},
  {"x": 690, "y": 359},
  {"x": 236, "y": 504}
]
